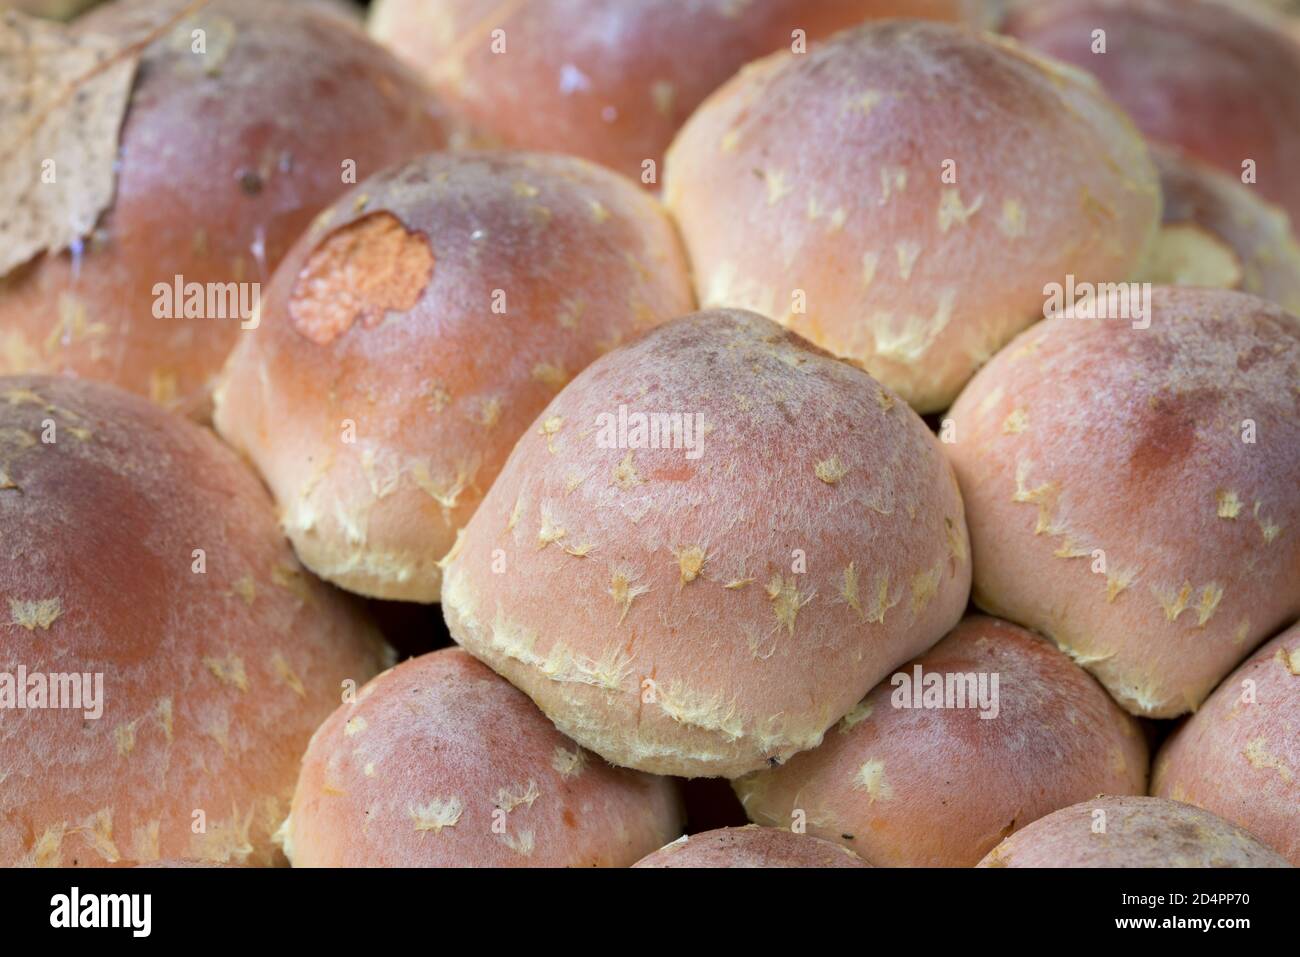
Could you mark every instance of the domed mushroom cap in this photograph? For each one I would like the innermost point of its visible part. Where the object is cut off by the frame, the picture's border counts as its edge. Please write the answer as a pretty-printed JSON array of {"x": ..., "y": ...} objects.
[
  {"x": 609, "y": 80},
  {"x": 1130, "y": 488},
  {"x": 1239, "y": 755},
  {"x": 1131, "y": 832},
  {"x": 441, "y": 763},
  {"x": 987, "y": 731},
  {"x": 708, "y": 548},
  {"x": 1219, "y": 83},
  {"x": 142, "y": 567},
  {"x": 295, "y": 105},
  {"x": 901, "y": 194},
  {"x": 412, "y": 335}
]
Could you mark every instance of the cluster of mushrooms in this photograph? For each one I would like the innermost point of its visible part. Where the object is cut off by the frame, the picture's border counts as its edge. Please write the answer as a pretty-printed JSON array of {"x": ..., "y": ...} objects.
[{"x": 452, "y": 434}]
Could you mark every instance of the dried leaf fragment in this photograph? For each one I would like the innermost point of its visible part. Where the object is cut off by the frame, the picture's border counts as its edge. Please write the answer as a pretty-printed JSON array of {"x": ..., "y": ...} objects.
[{"x": 63, "y": 95}]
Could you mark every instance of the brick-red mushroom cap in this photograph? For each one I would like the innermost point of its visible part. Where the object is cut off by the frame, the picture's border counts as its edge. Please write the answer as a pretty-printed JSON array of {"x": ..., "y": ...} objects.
[
  {"x": 441, "y": 763},
  {"x": 135, "y": 547},
  {"x": 609, "y": 80},
  {"x": 224, "y": 156},
  {"x": 414, "y": 333},
  {"x": 989, "y": 730},
  {"x": 1239, "y": 755},
  {"x": 902, "y": 193},
  {"x": 1131, "y": 832},
  {"x": 1130, "y": 488},
  {"x": 1218, "y": 82},
  {"x": 707, "y": 597}
]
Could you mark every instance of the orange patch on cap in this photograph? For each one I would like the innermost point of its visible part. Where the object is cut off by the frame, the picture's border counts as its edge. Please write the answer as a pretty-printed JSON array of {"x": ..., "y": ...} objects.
[{"x": 360, "y": 271}]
